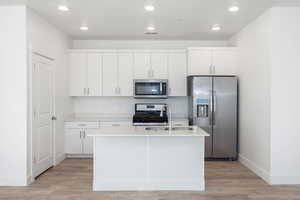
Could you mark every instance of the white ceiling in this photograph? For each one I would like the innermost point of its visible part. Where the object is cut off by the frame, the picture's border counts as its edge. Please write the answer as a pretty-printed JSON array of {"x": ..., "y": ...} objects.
[{"x": 127, "y": 19}]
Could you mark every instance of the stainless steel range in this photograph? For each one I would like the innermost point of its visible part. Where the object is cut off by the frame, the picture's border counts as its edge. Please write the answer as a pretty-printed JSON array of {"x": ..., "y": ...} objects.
[{"x": 150, "y": 114}]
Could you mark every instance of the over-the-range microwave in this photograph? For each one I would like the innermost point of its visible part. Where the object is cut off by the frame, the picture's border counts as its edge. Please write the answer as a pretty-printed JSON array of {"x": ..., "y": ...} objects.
[{"x": 144, "y": 88}]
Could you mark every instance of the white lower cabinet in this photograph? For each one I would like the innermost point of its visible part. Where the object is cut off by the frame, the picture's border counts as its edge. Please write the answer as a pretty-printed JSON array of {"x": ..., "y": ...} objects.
[
  {"x": 78, "y": 143},
  {"x": 115, "y": 123},
  {"x": 73, "y": 141}
]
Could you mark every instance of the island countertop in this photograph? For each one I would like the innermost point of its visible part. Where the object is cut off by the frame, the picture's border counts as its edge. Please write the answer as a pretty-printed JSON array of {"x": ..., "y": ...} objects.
[{"x": 142, "y": 131}]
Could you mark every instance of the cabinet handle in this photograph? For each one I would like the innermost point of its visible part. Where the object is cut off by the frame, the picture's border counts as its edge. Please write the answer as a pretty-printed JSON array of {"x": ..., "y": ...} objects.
[
  {"x": 119, "y": 90},
  {"x": 80, "y": 134},
  {"x": 88, "y": 91},
  {"x": 84, "y": 135}
]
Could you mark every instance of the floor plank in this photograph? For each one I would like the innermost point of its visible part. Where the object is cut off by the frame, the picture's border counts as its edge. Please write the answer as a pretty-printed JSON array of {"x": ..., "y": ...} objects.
[{"x": 72, "y": 180}]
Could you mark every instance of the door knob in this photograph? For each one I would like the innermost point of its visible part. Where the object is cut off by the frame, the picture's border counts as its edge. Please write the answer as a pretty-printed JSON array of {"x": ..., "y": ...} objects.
[{"x": 53, "y": 118}]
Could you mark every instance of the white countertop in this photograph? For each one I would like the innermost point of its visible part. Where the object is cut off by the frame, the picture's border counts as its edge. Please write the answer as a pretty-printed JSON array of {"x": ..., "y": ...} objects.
[
  {"x": 138, "y": 131},
  {"x": 108, "y": 118}
]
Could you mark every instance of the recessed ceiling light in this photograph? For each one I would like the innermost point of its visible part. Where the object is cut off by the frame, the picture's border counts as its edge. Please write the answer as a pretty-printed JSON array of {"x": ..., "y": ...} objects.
[
  {"x": 149, "y": 7},
  {"x": 233, "y": 9},
  {"x": 84, "y": 28},
  {"x": 216, "y": 28},
  {"x": 63, "y": 8},
  {"x": 151, "y": 28}
]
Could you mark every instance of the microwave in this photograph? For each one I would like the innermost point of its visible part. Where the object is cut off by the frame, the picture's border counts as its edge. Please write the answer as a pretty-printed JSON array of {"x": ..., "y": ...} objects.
[{"x": 157, "y": 89}]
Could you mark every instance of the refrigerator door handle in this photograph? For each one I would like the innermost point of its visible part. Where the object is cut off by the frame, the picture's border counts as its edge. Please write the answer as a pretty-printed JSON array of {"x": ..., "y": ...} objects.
[
  {"x": 211, "y": 108},
  {"x": 214, "y": 107}
]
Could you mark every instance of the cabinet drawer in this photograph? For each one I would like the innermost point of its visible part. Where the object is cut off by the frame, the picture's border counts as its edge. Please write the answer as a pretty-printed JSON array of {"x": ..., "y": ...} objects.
[
  {"x": 81, "y": 125},
  {"x": 117, "y": 123}
]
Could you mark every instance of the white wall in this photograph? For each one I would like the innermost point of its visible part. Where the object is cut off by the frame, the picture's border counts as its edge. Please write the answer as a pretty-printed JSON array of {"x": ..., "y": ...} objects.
[
  {"x": 253, "y": 44},
  {"x": 124, "y": 106},
  {"x": 13, "y": 99},
  {"x": 285, "y": 94},
  {"x": 47, "y": 40},
  {"x": 269, "y": 95},
  {"x": 144, "y": 44}
]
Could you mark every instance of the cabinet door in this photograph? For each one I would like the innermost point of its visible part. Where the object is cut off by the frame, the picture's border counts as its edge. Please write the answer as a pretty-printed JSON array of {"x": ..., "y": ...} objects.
[
  {"x": 159, "y": 65},
  {"x": 177, "y": 74},
  {"x": 73, "y": 141},
  {"x": 224, "y": 61},
  {"x": 88, "y": 141},
  {"x": 78, "y": 74},
  {"x": 94, "y": 74},
  {"x": 141, "y": 66},
  {"x": 125, "y": 74},
  {"x": 110, "y": 74},
  {"x": 199, "y": 61}
]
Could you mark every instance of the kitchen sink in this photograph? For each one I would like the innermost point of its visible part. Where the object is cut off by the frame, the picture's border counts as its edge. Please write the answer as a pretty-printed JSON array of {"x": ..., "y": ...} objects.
[
  {"x": 183, "y": 128},
  {"x": 167, "y": 128},
  {"x": 157, "y": 128}
]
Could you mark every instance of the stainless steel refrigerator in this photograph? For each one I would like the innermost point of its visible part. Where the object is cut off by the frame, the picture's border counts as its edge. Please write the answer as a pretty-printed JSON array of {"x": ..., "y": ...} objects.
[{"x": 213, "y": 107}]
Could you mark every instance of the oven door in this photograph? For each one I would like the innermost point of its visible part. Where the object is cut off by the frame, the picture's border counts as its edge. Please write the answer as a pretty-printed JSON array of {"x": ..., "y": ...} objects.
[{"x": 150, "y": 88}]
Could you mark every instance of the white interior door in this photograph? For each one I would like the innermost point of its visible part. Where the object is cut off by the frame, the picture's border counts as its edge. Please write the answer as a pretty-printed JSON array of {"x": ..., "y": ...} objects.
[{"x": 43, "y": 108}]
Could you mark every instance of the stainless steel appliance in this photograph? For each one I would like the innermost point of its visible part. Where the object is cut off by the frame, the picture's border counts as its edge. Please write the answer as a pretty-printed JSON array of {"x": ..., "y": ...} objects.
[
  {"x": 144, "y": 88},
  {"x": 150, "y": 114},
  {"x": 213, "y": 107}
]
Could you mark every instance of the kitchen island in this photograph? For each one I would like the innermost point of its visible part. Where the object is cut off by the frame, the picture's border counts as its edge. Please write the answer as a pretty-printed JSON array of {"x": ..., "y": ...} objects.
[{"x": 148, "y": 158}]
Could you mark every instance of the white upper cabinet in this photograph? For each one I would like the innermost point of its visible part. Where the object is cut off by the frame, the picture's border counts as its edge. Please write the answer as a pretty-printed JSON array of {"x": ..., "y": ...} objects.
[
  {"x": 85, "y": 74},
  {"x": 199, "y": 61},
  {"x": 142, "y": 68},
  {"x": 224, "y": 61},
  {"x": 177, "y": 74},
  {"x": 78, "y": 74},
  {"x": 94, "y": 75},
  {"x": 211, "y": 61},
  {"x": 159, "y": 66},
  {"x": 125, "y": 74},
  {"x": 110, "y": 74}
]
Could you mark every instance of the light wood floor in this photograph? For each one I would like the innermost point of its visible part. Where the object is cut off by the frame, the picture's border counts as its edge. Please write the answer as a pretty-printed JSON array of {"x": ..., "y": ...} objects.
[{"x": 71, "y": 180}]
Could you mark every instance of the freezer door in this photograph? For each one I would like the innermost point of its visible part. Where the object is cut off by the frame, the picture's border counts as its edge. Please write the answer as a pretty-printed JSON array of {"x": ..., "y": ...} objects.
[
  {"x": 224, "y": 117},
  {"x": 202, "y": 108}
]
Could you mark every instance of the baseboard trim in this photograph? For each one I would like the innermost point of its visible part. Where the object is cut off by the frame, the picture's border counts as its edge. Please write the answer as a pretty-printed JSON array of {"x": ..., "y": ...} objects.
[
  {"x": 79, "y": 155},
  {"x": 256, "y": 169},
  {"x": 59, "y": 158},
  {"x": 29, "y": 180}
]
